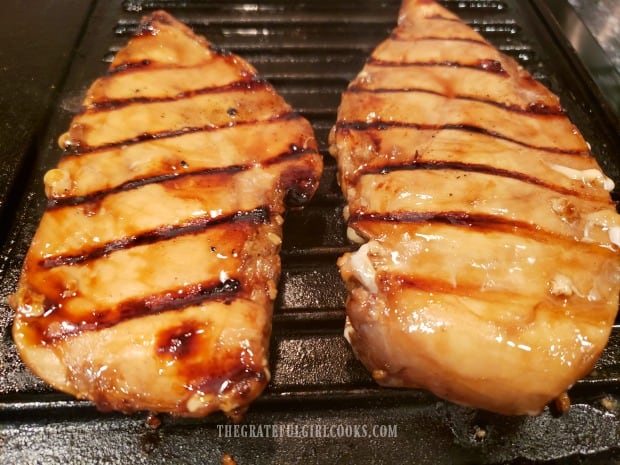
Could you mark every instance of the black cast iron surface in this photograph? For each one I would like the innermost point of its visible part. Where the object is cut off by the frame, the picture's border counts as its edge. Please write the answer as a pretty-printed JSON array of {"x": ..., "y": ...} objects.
[{"x": 309, "y": 51}]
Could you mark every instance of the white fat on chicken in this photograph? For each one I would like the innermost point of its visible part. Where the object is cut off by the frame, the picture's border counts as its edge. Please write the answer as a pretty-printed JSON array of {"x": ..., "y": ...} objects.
[
  {"x": 604, "y": 222},
  {"x": 363, "y": 269},
  {"x": 585, "y": 176}
]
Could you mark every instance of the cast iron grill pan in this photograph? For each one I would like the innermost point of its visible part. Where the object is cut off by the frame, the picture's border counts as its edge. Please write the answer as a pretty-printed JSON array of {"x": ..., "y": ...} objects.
[{"x": 309, "y": 51}]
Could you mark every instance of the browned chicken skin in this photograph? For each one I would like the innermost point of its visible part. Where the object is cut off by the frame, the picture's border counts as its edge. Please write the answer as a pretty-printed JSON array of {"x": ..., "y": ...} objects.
[
  {"x": 150, "y": 282},
  {"x": 489, "y": 272}
]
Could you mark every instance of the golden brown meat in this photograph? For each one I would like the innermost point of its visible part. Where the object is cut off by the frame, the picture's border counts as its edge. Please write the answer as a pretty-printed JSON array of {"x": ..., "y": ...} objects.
[
  {"x": 490, "y": 269},
  {"x": 150, "y": 282}
]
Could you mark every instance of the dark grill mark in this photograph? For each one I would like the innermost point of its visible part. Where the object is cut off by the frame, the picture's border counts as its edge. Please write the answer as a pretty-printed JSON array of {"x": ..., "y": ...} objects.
[
  {"x": 383, "y": 125},
  {"x": 471, "y": 167},
  {"x": 490, "y": 66},
  {"x": 443, "y": 18},
  {"x": 250, "y": 84},
  {"x": 49, "y": 328},
  {"x": 478, "y": 222},
  {"x": 143, "y": 64},
  {"x": 189, "y": 296},
  {"x": 128, "y": 66},
  {"x": 221, "y": 51},
  {"x": 195, "y": 225},
  {"x": 396, "y": 36},
  {"x": 430, "y": 285},
  {"x": 81, "y": 148},
  {"x": 457, "y": 218},
  {"x": 98, "y": 196},
  {"x": 536, "y": 108}
]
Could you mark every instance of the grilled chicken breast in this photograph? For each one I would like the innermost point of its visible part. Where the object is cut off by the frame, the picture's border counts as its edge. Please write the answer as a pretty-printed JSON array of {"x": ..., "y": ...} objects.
[
  {"x": 150, "y": 282},
  {"x": 489, "y": 270}
]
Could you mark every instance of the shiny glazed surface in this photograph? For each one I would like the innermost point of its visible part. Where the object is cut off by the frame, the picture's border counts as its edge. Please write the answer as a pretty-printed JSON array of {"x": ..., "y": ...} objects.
[
  {"x": 489, "y": 273},
  {"x": 150, "y": 282}
]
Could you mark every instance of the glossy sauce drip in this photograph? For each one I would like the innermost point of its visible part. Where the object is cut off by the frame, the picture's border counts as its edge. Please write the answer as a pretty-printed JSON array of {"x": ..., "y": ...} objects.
[
  {"x": 181, "y": 341},
  {"x": 493, "y": 66}
]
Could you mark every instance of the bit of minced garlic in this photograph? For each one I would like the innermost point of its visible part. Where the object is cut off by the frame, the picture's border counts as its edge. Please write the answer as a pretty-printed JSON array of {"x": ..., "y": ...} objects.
[
  {"x": 480, "y": 433},
  {"x": 353, "y": 236},
  {"x": 379, "y": 375},
  {"x": 57, "y": 183},
  {"x": 198, "y": 401},
  {"x": 561, "y": 286},
  {"x": 278, "y": 220},
  {"x": 30, "y": 307},
  {"x": 562, "y": 403},
  {"x": 64, "y": 140},
  {"x": 272, "y": 289},
  {"x": 609, "y": 403},
  {"x": 274, "y": 238},
  {"x": 228, "y": 459},
  {"x": 565, "y": 209}
]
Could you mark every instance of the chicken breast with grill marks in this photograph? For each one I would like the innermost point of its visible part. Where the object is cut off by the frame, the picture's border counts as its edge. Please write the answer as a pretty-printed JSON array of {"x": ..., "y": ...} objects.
[
  {"x": 150, "y": 282},
  {"x": 489, "y": 266}
]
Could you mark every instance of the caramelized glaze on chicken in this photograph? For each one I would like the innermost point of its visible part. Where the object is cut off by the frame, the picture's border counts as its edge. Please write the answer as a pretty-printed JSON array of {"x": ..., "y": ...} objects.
[
  {"x": 150, "y": 282},
  {"x": 489, "y": 270}
]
